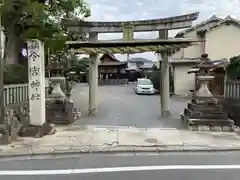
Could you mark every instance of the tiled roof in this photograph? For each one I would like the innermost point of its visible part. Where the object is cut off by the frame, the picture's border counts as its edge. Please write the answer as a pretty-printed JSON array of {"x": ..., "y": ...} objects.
[
  {"x": 112, "y": 63},
  {"x": 228, "y": 19},
  {"x": 213, "y": 18},
  {"x": 138, "y": 59},
  {"x": 109, "y": 55}
]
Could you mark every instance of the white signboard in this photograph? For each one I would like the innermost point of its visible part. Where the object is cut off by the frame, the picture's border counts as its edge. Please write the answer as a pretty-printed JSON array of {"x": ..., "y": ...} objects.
[{"x": 36, "y": 75}]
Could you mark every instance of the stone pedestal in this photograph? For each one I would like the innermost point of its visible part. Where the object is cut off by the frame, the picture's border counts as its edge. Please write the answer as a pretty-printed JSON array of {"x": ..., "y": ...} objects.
[
  {"x": 59, "y": 108},
  {"x": 204, "y": 112},
  {"x": 4, "y": 135},
  {"x": 60, "y": 111}
]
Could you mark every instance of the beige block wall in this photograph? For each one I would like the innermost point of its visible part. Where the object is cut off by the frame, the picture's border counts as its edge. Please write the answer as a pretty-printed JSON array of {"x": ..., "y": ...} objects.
[
  {"x": 191, "y": 51},
  {"x": 183, "y": 82},
  {"x": 195, "y": 50},
  {"x": 223, "y": 42}
]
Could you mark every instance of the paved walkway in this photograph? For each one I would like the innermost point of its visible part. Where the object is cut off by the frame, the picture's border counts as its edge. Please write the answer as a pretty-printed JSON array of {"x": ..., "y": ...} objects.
[
  {"x": 120, "y": 106},
  {"x": 75, "y": 139}
]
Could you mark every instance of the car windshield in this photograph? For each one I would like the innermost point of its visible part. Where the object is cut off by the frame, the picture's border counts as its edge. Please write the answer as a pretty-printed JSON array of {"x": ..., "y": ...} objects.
[{"x": 144, "y": 82}]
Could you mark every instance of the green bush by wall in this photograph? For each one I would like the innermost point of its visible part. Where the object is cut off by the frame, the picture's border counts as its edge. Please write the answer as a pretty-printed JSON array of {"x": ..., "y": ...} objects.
[
  {"x": 155, "y": 77},
  {"x": 233, "y": 68},
  {"x": 15, "y": 74}
]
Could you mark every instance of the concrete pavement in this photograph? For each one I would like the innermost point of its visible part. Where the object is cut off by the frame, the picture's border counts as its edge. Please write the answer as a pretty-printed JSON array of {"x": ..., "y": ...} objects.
[
  {"x": 165, "y": 166},
  {"x": 120, "y": 106},
  {"x": 85, "y": 139}
]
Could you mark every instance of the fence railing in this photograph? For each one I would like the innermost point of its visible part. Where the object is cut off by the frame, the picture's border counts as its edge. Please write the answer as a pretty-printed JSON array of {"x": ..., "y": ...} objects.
[
  {"x": 15, "y": 93},
  {"x": 112, "y": 81},
  {"x": 232, "y": 90},
  {"x": 19, "y": 92}
]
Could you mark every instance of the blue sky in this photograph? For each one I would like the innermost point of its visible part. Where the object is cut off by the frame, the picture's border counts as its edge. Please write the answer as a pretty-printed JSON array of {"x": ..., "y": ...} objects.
[{"x": 117, "y": 10}]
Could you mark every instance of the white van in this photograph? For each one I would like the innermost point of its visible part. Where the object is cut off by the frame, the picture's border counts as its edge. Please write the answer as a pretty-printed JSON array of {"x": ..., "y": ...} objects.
[{"x": 144, "y": 86}]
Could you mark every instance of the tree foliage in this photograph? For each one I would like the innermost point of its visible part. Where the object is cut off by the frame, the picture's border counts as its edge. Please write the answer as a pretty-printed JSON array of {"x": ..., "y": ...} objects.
[
  {"x": 40, "y": 19},
  {"x": 233, "y": 68},
  {"x": 79, "y": 65},
  {"x": 155, "y": 77},
  {"x": 15, "y": 74}
]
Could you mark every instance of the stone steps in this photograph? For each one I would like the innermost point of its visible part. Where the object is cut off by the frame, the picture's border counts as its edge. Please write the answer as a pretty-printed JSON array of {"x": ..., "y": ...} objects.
[
  {"x": 204, "y": 115},
  {"x": 211, "y": 122},
  {"x": 205, "y": 101},
  {"x": 217, "y": 125},
  {"x": 202, "y": 107}
]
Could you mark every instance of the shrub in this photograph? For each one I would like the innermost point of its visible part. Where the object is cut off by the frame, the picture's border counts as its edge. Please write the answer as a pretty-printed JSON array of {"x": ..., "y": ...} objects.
[
  {"x": 15, "y": 74},
  {"x": 155, "y": 77},
  {"x": 233, "y": 68}
]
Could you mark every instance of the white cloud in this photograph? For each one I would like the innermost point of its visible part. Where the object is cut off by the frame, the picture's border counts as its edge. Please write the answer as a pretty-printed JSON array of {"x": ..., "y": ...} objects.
[{"x": 112, "y": 10}]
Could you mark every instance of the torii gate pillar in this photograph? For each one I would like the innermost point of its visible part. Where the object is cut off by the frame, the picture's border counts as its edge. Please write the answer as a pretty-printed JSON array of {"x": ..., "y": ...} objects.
[
  {"x": 93, "y": 80},
  {"x": 165, "y": 90}
]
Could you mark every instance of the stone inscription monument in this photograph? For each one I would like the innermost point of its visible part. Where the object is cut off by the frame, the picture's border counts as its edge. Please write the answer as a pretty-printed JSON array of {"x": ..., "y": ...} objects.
[
  {"x": 37, "y": 126},
  {"x": 36, "y": 83}
]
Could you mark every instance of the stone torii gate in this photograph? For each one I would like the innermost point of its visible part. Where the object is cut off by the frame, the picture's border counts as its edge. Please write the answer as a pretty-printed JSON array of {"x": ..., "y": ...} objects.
[{"x": 129, "y": 45}]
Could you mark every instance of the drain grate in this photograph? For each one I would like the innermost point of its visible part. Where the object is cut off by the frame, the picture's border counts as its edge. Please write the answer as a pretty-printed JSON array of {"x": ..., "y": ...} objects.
[
  {"x": 76, "y": 128},
  {"x": 151, "y": 140}
]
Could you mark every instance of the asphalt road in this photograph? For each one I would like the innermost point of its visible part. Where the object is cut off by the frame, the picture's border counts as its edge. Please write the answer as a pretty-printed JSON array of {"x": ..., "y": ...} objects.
[
  {"x": 120, "y": 106},
  {"x": 166, "y": 166}
]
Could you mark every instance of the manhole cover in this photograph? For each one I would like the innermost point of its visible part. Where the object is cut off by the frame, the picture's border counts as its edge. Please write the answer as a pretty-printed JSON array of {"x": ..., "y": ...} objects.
[{"x": 151, "y": 140}]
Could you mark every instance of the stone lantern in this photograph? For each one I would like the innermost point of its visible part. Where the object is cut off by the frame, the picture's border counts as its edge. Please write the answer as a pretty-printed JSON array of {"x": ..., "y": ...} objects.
[
  {"x": 205, "y": 112},
  {"x": 60, "y": 109}
]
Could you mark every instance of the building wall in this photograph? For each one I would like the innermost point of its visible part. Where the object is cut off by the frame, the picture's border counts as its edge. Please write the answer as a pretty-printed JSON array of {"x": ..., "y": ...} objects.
[
  {"x": 148, "y": 65},
  {"x": 132, "y": 65},
  {"x": 183, "y": 82},
  {"x": 191, "y": 51},
  {"x": 223, "y": 41},
  {"x": 138, "y": 66},
  {"x": 194, "y": 51}
]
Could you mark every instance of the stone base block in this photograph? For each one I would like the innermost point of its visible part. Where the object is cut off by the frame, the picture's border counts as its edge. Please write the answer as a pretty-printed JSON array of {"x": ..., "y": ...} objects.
[
  {"x": 205, "y": 115},
  {"x": 166, "y": 114},
  {"x": 92, "y": 111},
  {"x": 211, "y": 128},
  {"x": 5, "y": 138},
  {"x": 215, "y": 125},
  {"x": 38, "y": 131},
  {"x": 204, "y": 107},
  {"x": 61, "y": 111},
  {"x": 205, "y": 100}
]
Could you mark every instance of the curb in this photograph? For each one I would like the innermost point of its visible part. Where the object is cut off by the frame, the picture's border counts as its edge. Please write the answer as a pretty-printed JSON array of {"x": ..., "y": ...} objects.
[{"x": 121, "y": 150}]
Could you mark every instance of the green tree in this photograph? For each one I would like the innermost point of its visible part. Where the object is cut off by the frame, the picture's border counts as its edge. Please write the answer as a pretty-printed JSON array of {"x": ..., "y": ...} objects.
[
  {"x": 40, "y": 19},
  {"x": 79, "y": 65},
  {"x": 233, "y": 68},
  {"x": 155, "y": 77},
  {"x": 15, "y": 74}
]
